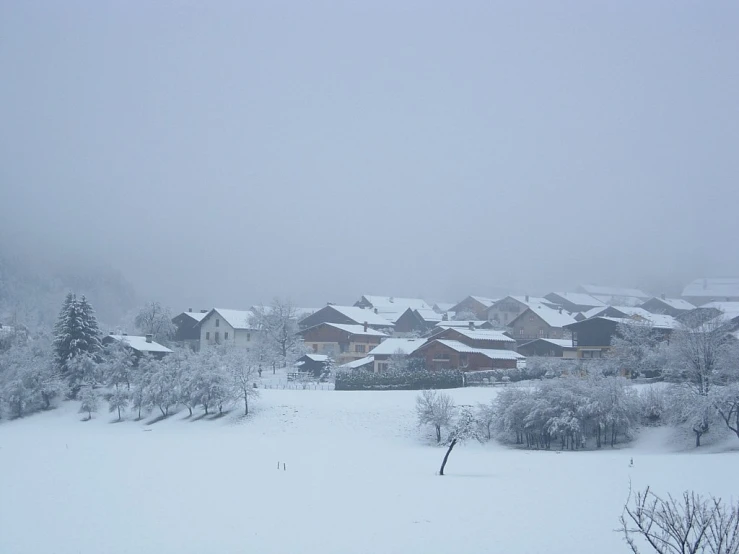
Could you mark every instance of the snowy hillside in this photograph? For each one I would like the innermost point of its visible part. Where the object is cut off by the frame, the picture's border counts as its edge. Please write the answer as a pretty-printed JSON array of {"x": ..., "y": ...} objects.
[{"x": 359, "y": 477}]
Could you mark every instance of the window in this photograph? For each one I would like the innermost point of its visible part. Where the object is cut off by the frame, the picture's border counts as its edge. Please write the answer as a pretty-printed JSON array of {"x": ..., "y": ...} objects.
[
  {"x": 225, "y": 335},
  {"x": 360, "y": 348},
  {"x": 464, "y": 360},
  {"x": 207, "y": 335},
  {"x": 248, "y": 337},
  {"x": 217, "y": 337},
  {"x": 381, "y": 367},
  {"x": 218, "y": 322},
  {"x": 574, "y": 338},
  {"x": 520, "y": 332},
  {"x": 542, "y": 333}
]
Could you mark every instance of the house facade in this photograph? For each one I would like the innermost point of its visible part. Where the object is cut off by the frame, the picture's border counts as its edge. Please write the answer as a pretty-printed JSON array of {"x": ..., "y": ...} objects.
[
  {"x": 448, "y": 354},
  {"x": 509, "y": 308},
  {"x": 540, "y": 322},
  {"x": 228, "y": 327},
  {"x": 477, "y": 305},
  {"x": 388, "y": 348},
  {"x": 344, "y": 342},
  {"x": 550, "y": 348}
]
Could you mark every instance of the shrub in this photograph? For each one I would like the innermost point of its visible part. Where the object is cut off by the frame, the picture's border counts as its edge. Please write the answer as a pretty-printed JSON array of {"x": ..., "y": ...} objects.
[{"x": 398, "y": 380}]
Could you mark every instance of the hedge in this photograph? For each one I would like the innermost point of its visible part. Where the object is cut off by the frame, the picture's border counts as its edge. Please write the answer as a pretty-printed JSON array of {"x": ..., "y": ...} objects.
[{"x": 399, "y": 380}]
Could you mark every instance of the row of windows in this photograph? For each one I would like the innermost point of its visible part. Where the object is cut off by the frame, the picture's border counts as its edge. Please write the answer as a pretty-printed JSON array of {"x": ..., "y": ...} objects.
[{"x": 216, "y": 335}]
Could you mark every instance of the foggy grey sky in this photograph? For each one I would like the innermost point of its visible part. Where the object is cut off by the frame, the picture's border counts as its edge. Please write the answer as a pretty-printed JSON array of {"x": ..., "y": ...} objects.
[{"x": 222, "y": 153}]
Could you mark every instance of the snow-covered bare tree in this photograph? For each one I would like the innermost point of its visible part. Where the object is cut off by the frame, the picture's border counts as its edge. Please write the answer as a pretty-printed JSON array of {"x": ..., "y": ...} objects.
[
  {"x": 465, "y": 428},
  {"x": 691, "y": 525},
  {"x": 436, "y": 409},
  {"x": 118, "y": 361},
  {"x": 243, "y": 371},
  {"x": 89, "y": 401},
  {"x": 638, "y": 349},
  {"x": 119, "y": 401},
  {"x": 278, "y": 329},
  {"x": 211, "y": 384},
  {"x": 398, "y": 361},
  {"x": 155, "y": 319},
  {"x": 486, "y": 417},
  {"x": 161, "y": 383}
]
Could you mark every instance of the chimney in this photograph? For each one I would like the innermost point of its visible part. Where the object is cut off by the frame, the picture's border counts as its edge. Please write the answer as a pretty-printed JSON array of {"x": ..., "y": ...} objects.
[
  {"x": 189, "y": 310},
  {"x": 472, "y": 325},
  {"x": 149, "y": 337},
  {"x": 108, "y": 333},
  {"x": 662, "y": 296},
  {"x": 527, "y": 298},
  {"x": 365, "y": 326}
]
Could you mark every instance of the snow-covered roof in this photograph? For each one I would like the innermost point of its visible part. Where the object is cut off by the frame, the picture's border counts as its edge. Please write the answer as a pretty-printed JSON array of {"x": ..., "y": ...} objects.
[
  {"x": 140, "y": 344},
  {"x": 429, "y": 315},
  {"x": 484, "y": 334},
  {"x": 601, "y": 290},
  {"x": 443, "y": 306},
  {"x": 532, "y": 300},
  {"x": 197, "y": 316},
  {"x": 356, "y": 329},
  {"x": 676, "y": 303},
  {"x": 712, "y": 287},
  {"x": 725, "y": 307},
  {"x": 238, "y": 319},
  {"x": 563, "y": 343},
  {"x": 633, "y": 311},
  {"x": 358, "y": 363},
  {"x": 551, "y": 317},
  {"x": 300, "y": 313},
  {"x": 580, "y": 298},
  {"x": 493, "y": 354},
  {"x": 317, "y": 357},
  {"x": 388, "y": 347},
  {"x": 361, "y": 315},
  {"x": 400, "y": 304},
  {"x": 592, "y": 312},
  {"x": 462, "y": 323},
  {"x": 487, "y": 302},
  {"x": 657, "y": 321}
]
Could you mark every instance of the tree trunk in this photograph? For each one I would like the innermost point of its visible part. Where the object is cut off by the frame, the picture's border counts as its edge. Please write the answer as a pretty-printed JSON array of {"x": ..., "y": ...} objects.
[
  {"x": 119, "y": 413},
  {"x": 246, "y": 405},
  {"x": 206, "y": 408},
  {"x": 190, "y": 410},
  {"x": 446, "y": 456},
  {"x": 438, "y": 434},
  {"x": 698, "y": 438}
]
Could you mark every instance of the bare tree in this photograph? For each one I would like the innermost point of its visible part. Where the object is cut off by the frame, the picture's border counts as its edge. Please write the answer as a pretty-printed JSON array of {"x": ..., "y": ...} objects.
[
  {"x": 278, "y": 326},
  {"x": 435, "y": 408},
  {"x": 466, "y": 428},
  {"x": 155, "y": 319},
  {"x": 691, "y": 525},
  {"x": 242, "y": 368}
]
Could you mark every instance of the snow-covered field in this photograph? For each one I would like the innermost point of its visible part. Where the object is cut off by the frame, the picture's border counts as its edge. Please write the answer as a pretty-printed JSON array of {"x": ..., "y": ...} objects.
[{"x": 359, "y": 477}]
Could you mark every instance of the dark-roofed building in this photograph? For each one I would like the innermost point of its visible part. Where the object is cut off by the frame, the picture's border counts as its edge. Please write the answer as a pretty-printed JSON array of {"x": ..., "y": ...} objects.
[
  {"x": 346, "y": 342},
  {"x": 554, "y": 348},
  {"x": 540, "y": 322},
  {"x": 667, "y": 306},
  {"x": 348, "y": 315},
  {"x": 509, "y": 308},
  {"x": 451, "y": 354},
  {"x": 186, "y": 324},
  {"x": 592, "y": 337},
  {"x": 314, "y": 364},
  {"x": 477, "y": 305}
]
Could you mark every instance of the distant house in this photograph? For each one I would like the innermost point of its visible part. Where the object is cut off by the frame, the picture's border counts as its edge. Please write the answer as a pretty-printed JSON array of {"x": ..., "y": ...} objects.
[
  {"x": 222, "y": 326},
  {"x": 314, "y": 364},
  {"x": 477, "y": 338},
  {"x": 388, "y": 348},
  {"x": 346, "y": 315},
  {"x": 509, "y": 308},
  {"x": 540, "y": 322},
  {"x": 574, "y": 302},
  {"x": 390, "y": 303},
  {"x": 619, "y": 296},
  {"x": 710, "y": 289},
  {"x": 187, "y": 324},
  {"x": 554, "y": 348},
  {"x": 667, "y": 306},
  {"x": 411, "y": 322},
  {"x": 477, "y": 305},
  {"x": 592, "y": 337},
  {"x": 450, "y": 354},
  {"x": 466, "y": 324},
  {"x": 345, "y": 342},
  {"x": 442, "y": 307},
  {"x": 431, "y": 317},
  {"x": 139, "y": 345},
  {"x": 362, "y": 364}
]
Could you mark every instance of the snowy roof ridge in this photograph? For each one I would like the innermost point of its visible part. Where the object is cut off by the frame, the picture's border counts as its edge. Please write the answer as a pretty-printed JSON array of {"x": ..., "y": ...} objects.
[
  {"x": 140, "y": 343},
  {"x": 492, "y": 353},
  {"x": 390, "y": 346}
]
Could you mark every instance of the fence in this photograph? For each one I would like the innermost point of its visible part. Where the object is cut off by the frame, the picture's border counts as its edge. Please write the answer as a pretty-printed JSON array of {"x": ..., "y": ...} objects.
[{"x": 284, "y": 385}]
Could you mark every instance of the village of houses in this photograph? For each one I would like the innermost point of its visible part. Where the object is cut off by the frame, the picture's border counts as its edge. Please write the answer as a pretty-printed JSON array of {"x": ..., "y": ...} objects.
[{"x": 474, "y": 334}]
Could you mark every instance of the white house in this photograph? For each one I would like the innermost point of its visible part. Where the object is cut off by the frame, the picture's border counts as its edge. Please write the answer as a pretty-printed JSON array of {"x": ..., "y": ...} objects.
[{"x": 234, "y": 327}]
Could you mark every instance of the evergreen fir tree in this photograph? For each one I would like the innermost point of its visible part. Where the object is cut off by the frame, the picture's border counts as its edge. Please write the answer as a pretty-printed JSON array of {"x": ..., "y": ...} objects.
[{"x": 76, "y": 334}]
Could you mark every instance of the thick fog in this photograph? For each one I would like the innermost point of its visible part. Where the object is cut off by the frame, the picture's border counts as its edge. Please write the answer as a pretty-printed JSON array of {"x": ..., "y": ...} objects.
[{"x": 224, "y": 153}]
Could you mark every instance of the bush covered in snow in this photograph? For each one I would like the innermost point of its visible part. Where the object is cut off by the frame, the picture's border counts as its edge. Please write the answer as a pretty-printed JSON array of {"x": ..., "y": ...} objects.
[
  {"x": 399, "y": 380},
  {"x": 568, "y": 413}
]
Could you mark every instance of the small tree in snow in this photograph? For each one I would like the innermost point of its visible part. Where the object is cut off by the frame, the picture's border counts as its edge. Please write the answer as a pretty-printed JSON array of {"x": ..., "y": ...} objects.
[
  {"x": 434, "y": 408},
  {"x": 692, "y": 526},
  {"x": 466, "y": 428},
  {"x": 89, "y": 398},
  {"x": 156, "y": 320},
  {"x": 243, "y": 371},
  {"x": 486, "y": 417},
  {"x": 118, "y": 401}
]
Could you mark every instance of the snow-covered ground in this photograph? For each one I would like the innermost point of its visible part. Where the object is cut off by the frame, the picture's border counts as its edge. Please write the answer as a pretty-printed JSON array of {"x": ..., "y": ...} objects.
[{"x": 359, "y": 477}]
